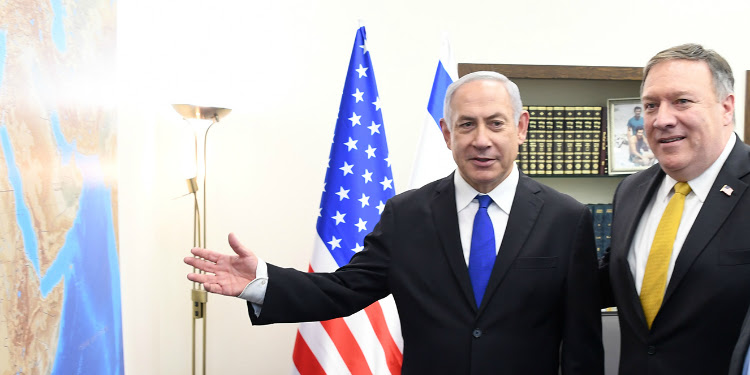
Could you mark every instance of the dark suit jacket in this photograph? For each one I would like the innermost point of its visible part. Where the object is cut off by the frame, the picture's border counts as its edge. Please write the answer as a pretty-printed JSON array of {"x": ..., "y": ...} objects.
[
  {"x": 740, "y": 349},
  {"x": 542, "y": 292},
  {"x": 709, "y": 291}
]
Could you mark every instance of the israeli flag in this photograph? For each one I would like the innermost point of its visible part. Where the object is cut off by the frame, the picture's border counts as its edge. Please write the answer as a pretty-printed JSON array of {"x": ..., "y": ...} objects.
[{"x": 433, "y": 159}]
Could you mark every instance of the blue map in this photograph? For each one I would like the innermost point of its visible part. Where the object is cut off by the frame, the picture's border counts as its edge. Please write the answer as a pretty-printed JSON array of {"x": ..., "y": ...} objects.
[{"x": 60, "y": 302}]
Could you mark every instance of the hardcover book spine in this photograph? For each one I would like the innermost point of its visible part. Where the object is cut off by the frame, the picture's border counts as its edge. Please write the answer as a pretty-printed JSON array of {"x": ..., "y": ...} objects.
[
  {"x": 569, "y": 142},
  {"x": 604, "y": 148},
  {"x": 596, "y": 142},
  {"x": 588, "y": 129},
  {"x": 532, "y": 134},
  {"x": 578, "y": 145},
  {"x": 541, "y": 140},
  {"x": 558, "y": 140},
  {"x": 549, "y": 140}
]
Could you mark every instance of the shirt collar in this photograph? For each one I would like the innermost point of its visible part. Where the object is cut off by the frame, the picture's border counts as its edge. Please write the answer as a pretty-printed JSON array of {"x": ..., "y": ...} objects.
[
  {"x": 502, "y": 195},
  {"x": 701, "y": 184}
]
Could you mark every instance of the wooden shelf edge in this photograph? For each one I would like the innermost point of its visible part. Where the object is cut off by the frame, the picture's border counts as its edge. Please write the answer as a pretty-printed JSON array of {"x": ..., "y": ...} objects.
[{"x": 609, "y": 73}]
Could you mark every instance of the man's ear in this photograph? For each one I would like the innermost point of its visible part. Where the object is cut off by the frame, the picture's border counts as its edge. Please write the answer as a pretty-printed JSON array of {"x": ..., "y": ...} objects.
[
  {"x": 727, "y": 110},
  {"x": 446, "y": 132},
  {"x": 523, "y": 126}
]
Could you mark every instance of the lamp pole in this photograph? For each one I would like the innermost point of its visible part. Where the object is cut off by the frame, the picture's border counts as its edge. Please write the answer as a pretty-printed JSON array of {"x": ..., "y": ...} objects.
[{"x": 199, "y": 297}]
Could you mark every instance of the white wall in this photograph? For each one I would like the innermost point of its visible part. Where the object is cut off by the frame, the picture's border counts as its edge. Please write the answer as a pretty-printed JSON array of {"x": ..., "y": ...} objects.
[{"x": 281, "y": 67}]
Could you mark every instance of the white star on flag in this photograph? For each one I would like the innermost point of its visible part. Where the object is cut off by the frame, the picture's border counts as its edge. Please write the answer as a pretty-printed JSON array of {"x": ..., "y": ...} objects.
[
  {"x": 339, "y": 218},
  {"x": 352, "y": 144},
  {"x": 386, "y": 183},
  {"x": 358, "y": 96},
  {"x": 367, "y": 176},
  {"x": 370, "y": 151},
  {"x": 334, "y": 242},
  {"x": 365, "y": 200},
  {"x": 343, "y": 194},
  {"x": 374, "y": 128},
  {"x": 347, "y": 168},
  {"x": 361, "y": 71},
  {"x": 355, "y": 119},
  {"x": 362, "y": 225}
]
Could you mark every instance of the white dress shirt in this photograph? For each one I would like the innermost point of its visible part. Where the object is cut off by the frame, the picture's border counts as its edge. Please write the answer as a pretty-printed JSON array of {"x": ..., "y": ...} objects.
[
  {"x": 644, "y": 234},
  {"x": 467, "y": 206}
]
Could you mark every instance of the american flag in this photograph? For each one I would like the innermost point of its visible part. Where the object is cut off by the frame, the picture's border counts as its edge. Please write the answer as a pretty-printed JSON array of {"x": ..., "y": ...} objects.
[
  {"x": 358, "y": 183},
  {"x": 433, "y": 159}
]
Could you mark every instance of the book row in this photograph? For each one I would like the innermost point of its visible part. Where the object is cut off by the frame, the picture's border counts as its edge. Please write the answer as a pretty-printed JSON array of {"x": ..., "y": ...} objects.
[
  {"x": 564, "y": 140},
  {"x": 602, "y": 217}
]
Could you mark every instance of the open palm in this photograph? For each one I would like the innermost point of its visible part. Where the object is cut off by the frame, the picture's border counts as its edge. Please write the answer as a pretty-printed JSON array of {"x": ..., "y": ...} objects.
[{"x": 225, "y": 274}]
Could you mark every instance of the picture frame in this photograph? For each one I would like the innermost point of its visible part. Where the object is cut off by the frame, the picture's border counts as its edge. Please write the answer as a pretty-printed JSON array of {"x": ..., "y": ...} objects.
[{"x": 628, "y": 151}]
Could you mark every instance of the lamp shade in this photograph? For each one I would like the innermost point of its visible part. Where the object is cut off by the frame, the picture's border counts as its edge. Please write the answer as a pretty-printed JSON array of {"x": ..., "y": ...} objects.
[{"x": 190, "y": 111}]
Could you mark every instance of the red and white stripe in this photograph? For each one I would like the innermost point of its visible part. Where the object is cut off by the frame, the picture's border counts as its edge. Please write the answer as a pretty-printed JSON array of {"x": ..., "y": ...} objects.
[{"x": 367, "y": 342}]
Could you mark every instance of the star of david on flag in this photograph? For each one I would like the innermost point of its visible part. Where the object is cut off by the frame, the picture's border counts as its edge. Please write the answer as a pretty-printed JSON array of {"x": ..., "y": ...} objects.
[{"x": 358, "y": 182}]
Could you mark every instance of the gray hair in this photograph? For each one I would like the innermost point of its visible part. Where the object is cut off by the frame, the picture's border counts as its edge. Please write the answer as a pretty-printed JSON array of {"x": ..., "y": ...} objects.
[
  {"x": 721, "y": 72},
  {"x": 513, "y": 92}
]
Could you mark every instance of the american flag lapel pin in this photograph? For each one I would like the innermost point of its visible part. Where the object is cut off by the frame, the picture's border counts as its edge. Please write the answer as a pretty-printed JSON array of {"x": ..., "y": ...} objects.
[{"x": 726, "y": 189}]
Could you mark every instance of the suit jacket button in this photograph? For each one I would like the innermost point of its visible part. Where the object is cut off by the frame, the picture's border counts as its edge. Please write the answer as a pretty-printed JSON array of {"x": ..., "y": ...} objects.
[
  {"x": 651, "y": 350},
  {"x": 477, "y": 333}
]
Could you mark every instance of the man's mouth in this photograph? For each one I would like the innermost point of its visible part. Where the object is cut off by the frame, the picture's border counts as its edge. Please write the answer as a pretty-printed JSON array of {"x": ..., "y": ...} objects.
[{"x": 670, "y": 140}]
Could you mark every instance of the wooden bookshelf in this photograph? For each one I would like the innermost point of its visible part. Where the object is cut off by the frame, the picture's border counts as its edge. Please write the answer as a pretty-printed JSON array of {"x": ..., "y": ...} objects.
[{"x": 608, "y": 73}]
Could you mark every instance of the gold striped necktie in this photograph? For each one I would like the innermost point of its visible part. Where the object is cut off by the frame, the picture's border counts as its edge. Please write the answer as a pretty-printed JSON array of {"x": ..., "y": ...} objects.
[{"x": 655, "y": 277}]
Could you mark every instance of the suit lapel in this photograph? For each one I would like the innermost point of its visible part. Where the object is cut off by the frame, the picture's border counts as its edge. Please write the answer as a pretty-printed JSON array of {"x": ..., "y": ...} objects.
[
  {"x": 714, "y": 212},
  {"x": 445, "y": 217},
  {"x": 524, "y": 212}
]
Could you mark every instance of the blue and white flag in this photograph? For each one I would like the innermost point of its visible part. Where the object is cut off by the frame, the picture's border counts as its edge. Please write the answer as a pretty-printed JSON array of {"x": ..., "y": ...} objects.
[
  {"x": 358, "y": 182},
  {"x": 433, "y": 159}
]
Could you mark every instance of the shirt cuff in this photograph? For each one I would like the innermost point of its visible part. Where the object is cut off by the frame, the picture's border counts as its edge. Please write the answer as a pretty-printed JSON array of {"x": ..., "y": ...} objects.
[{"x": 255, "y": 291}]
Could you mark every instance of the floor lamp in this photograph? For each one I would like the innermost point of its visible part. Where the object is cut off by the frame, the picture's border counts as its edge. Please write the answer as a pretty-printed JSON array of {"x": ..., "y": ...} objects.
[{"x": 199, "y": 296}]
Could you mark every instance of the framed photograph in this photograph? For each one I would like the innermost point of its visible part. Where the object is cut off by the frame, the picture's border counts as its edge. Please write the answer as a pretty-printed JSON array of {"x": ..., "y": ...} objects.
[{"x": 628, "y": 150}]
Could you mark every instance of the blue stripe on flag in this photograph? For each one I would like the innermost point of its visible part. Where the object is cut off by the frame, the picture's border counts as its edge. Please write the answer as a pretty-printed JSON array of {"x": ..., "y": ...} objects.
[
  {"x": 437, "y": 96},
  {"x": 359, "y": 179}
]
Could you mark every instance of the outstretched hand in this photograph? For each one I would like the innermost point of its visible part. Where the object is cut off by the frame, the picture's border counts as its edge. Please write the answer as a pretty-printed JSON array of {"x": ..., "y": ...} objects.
[{"x": 226, "y": 274}]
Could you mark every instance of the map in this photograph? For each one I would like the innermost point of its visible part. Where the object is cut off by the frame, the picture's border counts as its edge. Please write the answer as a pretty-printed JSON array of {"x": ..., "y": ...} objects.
[{"x": 60, "y": 310}]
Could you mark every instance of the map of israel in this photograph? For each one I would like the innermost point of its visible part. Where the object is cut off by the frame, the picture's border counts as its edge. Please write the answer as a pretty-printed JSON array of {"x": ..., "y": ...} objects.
[{"x": 60, "y": 307}]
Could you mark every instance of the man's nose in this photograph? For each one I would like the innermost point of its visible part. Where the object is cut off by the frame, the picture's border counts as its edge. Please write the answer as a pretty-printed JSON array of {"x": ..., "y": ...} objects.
[
  {"x": 663, "y": 116},
  {"x": 481, "y": 136}
]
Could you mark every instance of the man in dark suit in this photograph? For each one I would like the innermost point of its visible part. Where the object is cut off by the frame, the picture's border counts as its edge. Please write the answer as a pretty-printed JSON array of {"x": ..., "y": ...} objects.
[
  {"x": 679, "y": 260},
  {"x": 539, "y": 311}
]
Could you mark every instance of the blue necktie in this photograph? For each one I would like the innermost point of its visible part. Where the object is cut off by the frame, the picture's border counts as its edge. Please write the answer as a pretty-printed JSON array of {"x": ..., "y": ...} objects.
[
  {"x": 482, "y": 255},
  {"x": 746, "y": 366}
]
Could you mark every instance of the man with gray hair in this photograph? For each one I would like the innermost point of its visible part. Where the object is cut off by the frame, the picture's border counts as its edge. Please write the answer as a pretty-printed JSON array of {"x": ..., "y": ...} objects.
[
  {"x": 491, "y": 271},
  {"x": 678, "y": 267}
]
